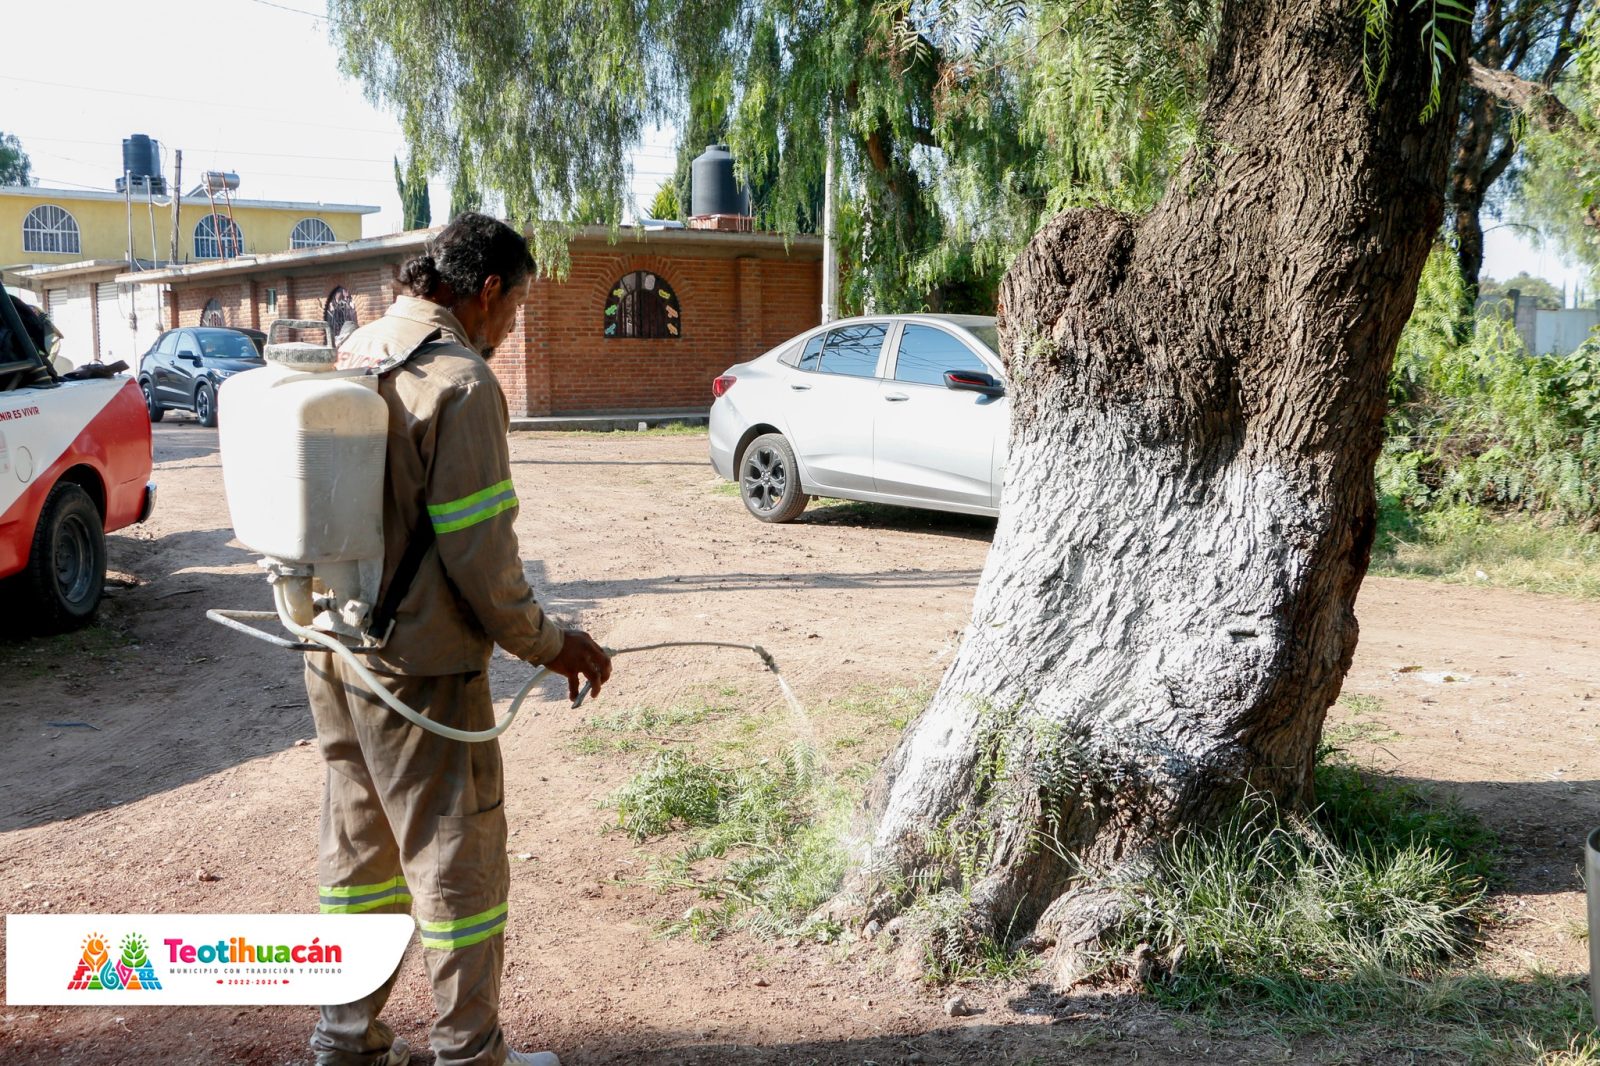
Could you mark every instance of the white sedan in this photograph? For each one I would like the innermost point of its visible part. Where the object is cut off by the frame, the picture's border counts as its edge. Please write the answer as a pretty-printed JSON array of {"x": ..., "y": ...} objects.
[{"x": 901, "y": 409}]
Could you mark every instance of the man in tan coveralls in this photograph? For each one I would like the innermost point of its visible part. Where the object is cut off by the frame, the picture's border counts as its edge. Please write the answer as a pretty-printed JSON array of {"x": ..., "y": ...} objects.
[{"x": 410, "y": 818}]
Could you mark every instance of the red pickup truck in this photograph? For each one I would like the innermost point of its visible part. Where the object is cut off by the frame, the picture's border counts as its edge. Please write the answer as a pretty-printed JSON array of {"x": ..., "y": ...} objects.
[{"x": 74, "y": 464}]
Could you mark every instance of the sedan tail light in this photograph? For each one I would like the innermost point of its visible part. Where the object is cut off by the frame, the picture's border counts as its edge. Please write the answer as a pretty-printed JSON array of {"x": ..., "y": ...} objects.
[{"x": 722, "y": 385}]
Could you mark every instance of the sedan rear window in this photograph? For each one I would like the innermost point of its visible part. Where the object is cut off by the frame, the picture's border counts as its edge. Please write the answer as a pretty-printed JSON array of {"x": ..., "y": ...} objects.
[
  {"x": 227, "y": 346},
  {"x": 853, "y": 350},
  {"x": 926, "y": 353}
]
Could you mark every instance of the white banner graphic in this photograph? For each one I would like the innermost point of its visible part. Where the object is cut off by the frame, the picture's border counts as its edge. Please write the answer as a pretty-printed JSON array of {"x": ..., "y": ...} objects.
[{"x": 173, "y": 959}]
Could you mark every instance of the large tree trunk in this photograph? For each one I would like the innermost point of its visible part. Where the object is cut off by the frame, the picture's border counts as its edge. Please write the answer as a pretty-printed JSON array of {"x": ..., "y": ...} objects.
[{"x": 1197, "y": 405}]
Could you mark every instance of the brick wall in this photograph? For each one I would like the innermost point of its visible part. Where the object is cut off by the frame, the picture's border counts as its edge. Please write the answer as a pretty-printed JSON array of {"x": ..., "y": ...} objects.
[{"x": 557, "y": 359}]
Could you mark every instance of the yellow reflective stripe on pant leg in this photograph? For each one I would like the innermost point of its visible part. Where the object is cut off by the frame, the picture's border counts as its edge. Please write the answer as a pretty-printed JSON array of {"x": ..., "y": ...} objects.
[
  {"x": 353, "y": 899},
  {"x": 463, "y": 932},
  {"x": 367, "y": 905}
]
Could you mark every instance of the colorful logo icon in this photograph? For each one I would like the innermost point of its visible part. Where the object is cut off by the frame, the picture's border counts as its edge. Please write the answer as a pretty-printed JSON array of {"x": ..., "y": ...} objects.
[{"x": 98, "y": 971}]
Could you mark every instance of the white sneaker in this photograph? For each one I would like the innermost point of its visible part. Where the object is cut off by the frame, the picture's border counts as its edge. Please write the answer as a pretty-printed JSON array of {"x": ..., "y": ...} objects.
[{"x": 532, "y": 1058}]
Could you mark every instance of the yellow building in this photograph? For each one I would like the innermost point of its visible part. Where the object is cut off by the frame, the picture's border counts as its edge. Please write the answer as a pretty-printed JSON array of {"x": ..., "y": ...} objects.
[{"x": 48, "y": 227}]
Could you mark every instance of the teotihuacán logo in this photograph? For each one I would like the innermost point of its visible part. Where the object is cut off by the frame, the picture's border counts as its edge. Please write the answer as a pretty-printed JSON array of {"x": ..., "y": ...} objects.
[
  {"x": 86, "y": 959},
  {"x": 130, "y": 970}
]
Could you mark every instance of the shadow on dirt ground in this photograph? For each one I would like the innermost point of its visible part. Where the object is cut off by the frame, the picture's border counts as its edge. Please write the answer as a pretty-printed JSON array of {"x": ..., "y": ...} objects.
[
  {"x": 1496, "y": 1020},
  {"x": 151, "y": 696}
]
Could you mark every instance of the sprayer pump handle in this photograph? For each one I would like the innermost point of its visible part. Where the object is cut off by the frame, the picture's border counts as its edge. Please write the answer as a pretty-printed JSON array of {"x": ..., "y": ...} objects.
[{"x": 300, "y": 323}]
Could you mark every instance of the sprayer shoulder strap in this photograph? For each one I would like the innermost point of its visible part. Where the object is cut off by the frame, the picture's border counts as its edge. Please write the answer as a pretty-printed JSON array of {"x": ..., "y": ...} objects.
[{"x": 416, "y": 548}]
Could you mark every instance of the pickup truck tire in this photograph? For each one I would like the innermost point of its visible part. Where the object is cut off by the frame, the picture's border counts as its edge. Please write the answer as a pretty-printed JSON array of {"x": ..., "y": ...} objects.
[
  {"x": 205, "y": 405},
  {"x": 151, "y": 404},
  {"x": 67, "y": 562}
]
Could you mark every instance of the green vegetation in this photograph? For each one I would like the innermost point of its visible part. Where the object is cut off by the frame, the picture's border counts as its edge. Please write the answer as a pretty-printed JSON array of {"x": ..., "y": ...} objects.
[
  {"x": 1359, "y": 918},
  {"x": 660, "y": 429},
  {"x": 1491, "y": 469},
  {"x": 775, "y": 831},
  {"x": 762, "y": 841}
]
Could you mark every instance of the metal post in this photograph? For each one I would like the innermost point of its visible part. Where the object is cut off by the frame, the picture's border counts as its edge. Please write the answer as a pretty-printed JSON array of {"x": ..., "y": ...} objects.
[
  {"x": 830, "y": 251},
  {"x": 1592, "y": 881},
  {"x": 127, "y": 196},
  {"x": 177, "y": 197}
]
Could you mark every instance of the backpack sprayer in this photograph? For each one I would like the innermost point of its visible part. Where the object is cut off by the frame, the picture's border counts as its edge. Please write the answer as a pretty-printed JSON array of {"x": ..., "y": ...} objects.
[{"x": 303, "y": 450}]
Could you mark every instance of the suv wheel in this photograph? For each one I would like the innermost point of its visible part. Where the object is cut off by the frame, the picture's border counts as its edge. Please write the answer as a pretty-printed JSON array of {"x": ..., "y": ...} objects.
[
  {"x": 151, "y": 404},
  {"x": 205, "y": 405}
]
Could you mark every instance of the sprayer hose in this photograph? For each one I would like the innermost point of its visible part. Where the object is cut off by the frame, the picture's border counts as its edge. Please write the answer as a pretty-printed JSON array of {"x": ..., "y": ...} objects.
[{"x": 473, "y": 736}]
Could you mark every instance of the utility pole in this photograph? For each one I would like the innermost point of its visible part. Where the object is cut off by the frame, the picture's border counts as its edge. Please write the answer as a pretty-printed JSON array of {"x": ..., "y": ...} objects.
[
  {"x": 127, "y": 196},
  {"x": 177, "y": 197},
  {"x": 830, "y": 251}
]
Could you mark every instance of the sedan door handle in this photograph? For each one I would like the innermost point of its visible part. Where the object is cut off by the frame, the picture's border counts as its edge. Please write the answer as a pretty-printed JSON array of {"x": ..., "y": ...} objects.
[
  {"x": 798, "y": 387},
  {"x": 896, "y": 397}
]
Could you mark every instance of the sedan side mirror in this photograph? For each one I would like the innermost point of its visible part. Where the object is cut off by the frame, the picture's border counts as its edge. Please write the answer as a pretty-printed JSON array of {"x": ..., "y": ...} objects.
[{"x": 974, "y": 381}]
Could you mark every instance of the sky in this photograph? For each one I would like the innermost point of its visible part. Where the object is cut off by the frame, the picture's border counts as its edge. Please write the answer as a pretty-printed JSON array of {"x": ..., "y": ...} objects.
[
  {"x": 253, "y": 86},
  {"x": 250, "y": 86}
]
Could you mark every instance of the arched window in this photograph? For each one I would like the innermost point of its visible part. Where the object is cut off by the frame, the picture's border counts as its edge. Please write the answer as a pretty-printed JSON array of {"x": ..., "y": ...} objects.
[
  {"x": 339, "y": 311},
  {"x": 213, "y": 315},
  {"x": 311, "y": 233},
  {"x": 49, "y": 228},
  {"x": 217, "y": 237},
  {"x": 642, "y": 305}
]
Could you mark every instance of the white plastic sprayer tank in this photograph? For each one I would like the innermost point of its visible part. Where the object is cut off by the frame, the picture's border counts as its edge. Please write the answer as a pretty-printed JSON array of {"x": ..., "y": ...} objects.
[{"x": 302, "y": 456}]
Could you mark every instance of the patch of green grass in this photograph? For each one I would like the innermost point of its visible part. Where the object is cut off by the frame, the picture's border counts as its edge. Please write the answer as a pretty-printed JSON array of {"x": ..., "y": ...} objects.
[
  {"x": 1361, "y": 728},
  {"x": 1359, "y": 920},
  {"x": 766, "y": 841},
  {"x": 662, "y": 429},
  {"x": 628, "y": 730},
  {"x": 894, "y": 707},
  {"x": 725, "y": 488},
  {"x": 1318, "y": 917},
  {"x": 1460, "y": 544}
]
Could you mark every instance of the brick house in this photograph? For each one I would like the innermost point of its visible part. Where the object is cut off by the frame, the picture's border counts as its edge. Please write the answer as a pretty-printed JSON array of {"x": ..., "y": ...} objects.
[{"x": 640, "y": 325}]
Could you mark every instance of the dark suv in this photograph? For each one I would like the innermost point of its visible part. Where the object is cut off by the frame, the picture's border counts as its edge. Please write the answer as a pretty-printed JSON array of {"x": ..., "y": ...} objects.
[{"x": 185, "y": 367}]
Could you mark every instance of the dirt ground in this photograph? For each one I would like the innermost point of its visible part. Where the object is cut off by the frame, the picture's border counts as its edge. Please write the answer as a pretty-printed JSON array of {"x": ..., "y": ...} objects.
[{"x": 195, "y": 762}]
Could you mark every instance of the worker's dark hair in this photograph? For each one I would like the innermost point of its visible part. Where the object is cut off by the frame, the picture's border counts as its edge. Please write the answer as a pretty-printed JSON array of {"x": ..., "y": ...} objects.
[
  {"x": 471, "y": 249},
  {"x": 34, "y": 323}
]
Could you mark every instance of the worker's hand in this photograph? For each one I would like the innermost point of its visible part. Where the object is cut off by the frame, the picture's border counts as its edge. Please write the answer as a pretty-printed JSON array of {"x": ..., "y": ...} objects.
[{"x": 581, "y": 657}]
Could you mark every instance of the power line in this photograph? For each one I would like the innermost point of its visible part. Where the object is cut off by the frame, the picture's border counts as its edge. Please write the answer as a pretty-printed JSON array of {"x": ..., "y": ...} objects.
[
  {"x": 225, "y": 151},
  {"x": 296, "y": 10},
  {"x": 201, "y": 103}
]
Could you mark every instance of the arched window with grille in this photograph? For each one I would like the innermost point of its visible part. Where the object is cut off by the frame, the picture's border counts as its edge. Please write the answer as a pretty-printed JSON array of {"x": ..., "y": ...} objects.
[
  {"x": 51, "y": 229},
  {"x": 643, "y": 305},
  {"x": 212, "y": 314},
  {"x": 311, "y": 233},
  {"x": 217, "y": 237},
  {"x": 339, "y": 312}
]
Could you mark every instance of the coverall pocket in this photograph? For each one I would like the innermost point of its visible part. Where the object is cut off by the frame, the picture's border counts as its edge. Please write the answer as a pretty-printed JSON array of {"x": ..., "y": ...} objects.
[{"x": 471, "y": 861}]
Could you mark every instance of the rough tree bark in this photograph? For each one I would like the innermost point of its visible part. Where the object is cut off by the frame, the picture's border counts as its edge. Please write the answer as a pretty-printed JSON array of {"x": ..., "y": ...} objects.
[{"x": 1197, "y": 406}]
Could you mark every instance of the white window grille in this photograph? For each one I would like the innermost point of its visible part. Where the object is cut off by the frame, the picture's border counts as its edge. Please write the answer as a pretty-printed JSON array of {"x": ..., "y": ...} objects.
[
  {"x": 217, "y": 237},
  {"x": 49, "y": 228},
  {"x": 311, "y": 233}
]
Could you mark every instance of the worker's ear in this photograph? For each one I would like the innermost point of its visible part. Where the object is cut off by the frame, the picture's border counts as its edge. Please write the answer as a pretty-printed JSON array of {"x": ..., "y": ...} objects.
[{"x": 492, "y": 287}]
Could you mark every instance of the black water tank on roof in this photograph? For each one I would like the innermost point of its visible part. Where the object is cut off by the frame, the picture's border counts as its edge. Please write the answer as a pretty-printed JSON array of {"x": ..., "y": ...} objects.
[
  {"x": 139, "y": 157},
  {"x": 712, "y": 188}
]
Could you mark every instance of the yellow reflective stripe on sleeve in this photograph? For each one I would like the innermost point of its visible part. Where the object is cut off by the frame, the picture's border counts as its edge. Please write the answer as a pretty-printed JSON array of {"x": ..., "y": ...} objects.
[
  {"x": 463, "y": 932},
  {"x": 470, "y": 510}
]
